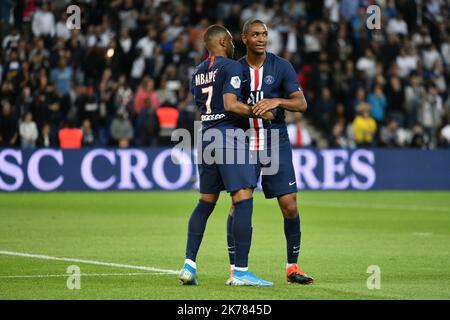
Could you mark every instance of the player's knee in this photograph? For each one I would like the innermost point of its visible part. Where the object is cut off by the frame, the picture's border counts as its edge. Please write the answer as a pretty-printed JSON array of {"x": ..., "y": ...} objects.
[
  {"x": 211, "y": 198},
  {"x": 241, "y": 195},
  {"x": 290, "y": 210}
]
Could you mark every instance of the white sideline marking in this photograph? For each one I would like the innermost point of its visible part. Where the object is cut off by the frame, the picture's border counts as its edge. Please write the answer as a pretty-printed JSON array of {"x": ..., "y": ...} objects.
[
  {"x": 99, "y": 263},
  {"x": 82, "y": 275},
  {"x": 423, "y": 234},
  {"x": 373, "y": 206}
]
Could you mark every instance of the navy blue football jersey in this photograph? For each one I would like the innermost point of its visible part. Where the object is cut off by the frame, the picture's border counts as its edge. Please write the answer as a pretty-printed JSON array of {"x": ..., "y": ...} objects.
[
  {"x": 276, "y": 78},
  {"x": 211, "y": 79}
]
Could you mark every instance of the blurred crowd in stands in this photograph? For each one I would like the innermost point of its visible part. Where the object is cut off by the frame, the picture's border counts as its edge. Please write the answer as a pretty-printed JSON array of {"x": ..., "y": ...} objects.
[{"x": 122, "y": 79}]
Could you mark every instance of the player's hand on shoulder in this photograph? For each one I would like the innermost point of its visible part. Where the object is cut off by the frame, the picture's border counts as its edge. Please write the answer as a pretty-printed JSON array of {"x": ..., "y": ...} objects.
[{"x": 264, "y": 105}]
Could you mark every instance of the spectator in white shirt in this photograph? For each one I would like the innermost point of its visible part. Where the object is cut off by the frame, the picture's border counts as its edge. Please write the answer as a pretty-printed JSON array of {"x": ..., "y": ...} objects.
[
  {"x": 257, "y": 11},
  {"x": 439, "y": 76},
  {"x": 28, "y": 131},
  {"x": 430, "y": 113},
  {"x": 421, "y": 38},
  {"x": 445, "y": 135},
  {"x": 174, "y": 29},
  {"x": 137, "y": 69},
  {"x": 147, "y": 44},
  {"x": 445, "y": 51},
  {"x": 397, "y": 26},
  {"x": 275, "y": 41},
  {"x": 44, "y": 22},
  {"x": 367, "y": 64},
  {"x": 414, "y": 93},
  {"x": 125, "y": 40},
  {"x": 332, "y": 10},
  {"x": 298, "y": 134},
  {"x": 98, "y": 38},
  {"x": 11, "y": 39},
  {"x": 311, "y": 39},
  {"x": 430, "y": 57},
  {"x": 250, "y": 12},
  {"x": 265, "y": 13},
  {"x": 432, "y": 8},
  {"x": 406, "y": 63},
  {"x": 61, "y": 27},
  {"x": 128, "y": 15}
]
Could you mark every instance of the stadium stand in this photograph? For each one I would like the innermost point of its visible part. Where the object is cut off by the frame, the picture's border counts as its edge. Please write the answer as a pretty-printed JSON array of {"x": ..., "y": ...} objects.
[{"x": 132, "y": 57}]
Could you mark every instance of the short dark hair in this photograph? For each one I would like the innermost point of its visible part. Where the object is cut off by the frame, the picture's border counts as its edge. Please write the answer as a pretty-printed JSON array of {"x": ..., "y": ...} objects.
[
  {"x": 250, "y": 22},
  {"x": 212, "y": 32}
]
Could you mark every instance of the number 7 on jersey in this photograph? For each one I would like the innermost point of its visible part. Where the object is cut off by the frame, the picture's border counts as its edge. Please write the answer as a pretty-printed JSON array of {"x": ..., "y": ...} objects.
[{"x": 209, "y": 91}]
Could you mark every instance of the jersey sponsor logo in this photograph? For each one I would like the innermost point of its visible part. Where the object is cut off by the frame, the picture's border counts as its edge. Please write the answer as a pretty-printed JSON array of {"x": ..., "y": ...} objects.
[
  {"x": 212, "y": 117},
  {"x": 269, "y": 80},
  {"x": 235, "y": 82},
  {"x": 254, "y": 97}
]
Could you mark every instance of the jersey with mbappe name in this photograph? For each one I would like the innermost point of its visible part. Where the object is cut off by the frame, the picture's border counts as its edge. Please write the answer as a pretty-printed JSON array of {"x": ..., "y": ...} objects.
[
  {"x": 211, "y": 79},
  {"x": 276, "y": 78}
]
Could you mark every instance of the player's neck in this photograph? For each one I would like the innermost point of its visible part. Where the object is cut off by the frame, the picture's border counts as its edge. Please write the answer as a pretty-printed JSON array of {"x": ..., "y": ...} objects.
[
  {"x": 255, "y": 60},
  {"x": 217, "y": 54}
]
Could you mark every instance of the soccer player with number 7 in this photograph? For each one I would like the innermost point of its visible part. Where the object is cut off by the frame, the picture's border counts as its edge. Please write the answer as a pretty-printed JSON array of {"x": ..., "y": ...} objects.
[{"x": 216, "y": 86}]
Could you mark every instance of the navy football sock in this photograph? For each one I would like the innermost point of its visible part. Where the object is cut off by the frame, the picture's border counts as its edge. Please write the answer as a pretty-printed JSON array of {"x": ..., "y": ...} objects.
[
  {"x": 230, "y": 239},
  {"x": 293, "y": 235},
  {"x": 242, "y": 231},
  {"x": 196, "y": 227}
]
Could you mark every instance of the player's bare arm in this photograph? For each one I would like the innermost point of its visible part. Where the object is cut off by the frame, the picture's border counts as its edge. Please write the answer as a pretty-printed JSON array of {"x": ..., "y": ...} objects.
[
  {"x": 232, "y": 104},
  {"x": 295, "y": 103}
]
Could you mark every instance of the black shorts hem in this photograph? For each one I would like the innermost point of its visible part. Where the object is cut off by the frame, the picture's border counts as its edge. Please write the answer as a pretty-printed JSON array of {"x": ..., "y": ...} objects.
[
  {"x": 245, "y": 187},
  {"x": 278, "y": 194},
  {"x": 210, "y": 192}
]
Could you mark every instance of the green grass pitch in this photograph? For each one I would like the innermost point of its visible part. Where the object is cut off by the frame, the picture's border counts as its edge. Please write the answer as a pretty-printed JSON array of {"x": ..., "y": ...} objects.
[{"x": 406, "y": 234}]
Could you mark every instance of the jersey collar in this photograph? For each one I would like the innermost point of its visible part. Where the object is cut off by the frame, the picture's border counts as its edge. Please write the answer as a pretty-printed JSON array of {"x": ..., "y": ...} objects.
[{"x": 264, "y": 62}]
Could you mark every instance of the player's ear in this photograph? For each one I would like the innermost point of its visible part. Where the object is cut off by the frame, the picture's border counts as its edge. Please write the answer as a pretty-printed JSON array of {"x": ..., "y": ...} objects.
[
  {"x": 244, "y": 38},
  {"x": 223, "y": 42}
]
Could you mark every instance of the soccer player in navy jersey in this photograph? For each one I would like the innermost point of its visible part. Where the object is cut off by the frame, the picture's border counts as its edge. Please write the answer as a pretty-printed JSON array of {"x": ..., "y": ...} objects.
[
  {"x": 216, "y": 86},
  {"x": 270, "y": 84}
]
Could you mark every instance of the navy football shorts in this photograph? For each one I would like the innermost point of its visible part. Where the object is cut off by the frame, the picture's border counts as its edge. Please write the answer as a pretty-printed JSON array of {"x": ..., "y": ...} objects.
[
  {"x": 216, "y": 177},
  {"x": 283, "y": 181}
]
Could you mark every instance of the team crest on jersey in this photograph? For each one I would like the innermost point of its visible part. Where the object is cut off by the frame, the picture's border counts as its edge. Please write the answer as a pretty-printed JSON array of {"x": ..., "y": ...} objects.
[
  {"x": 269, "y": 79},
  {"x": 235, "y": 82}
]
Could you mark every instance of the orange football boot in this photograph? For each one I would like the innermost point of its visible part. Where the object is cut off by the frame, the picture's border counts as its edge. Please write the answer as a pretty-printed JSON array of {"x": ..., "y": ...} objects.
[{"x": 295, "y": 275}]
